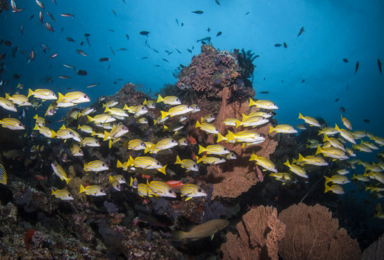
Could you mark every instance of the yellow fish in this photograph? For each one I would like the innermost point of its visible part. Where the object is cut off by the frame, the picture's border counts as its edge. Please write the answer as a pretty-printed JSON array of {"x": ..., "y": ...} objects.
[
  {"x": 309, "y": 120},
  {"x": 44, "y": 94},
  {"x": 12, "y": 123},
  {"x": 135, "y": 144},
  {"x": 147, "y": 162},
  {"x": 76, "y": 150},
  {"x": 177, "y": 110},
  {"x": 252, "y": 121},
  {"x": 7, "y": 104},
  {"x": 102, "y": 118},
  {"x": 140, "y": 110},
  {"x": 188, "y": 164},
  {"x": 266, "y": 104},
  {"x": 214, "y": 149},
  {"x": 337, "y": 189},
  {"x": 297, "y": 169},
  {"x": 150, "y": 104},
  {"x": 18, "y": 99},
  {"x": 210, "y": 160},
  {"x": 192, "y": 191},
  {"x": 207, "y": 127},
  {"x": 346, "y": 123},
  {"x": 161, "y": 189},
  {"x": 93, "y": 190},
  {"x": 169, "y": 100},
  {"x": 346, "y": 135},
  {"x": 96, "y": 166},
  {"x": 62, "y": 194},
  {"x": 89, "y": 141},
  {"x": 75, "y": 97},
  {"x": 332, "y": 152},
  {"x": 110, "y": 103},
  {"x": 286, "y": 129},
  {"x": 264, "y": 162},
  {"x": 85, "y": 128},
  {"x": 338, "y": 179},
  {"x": 117, "y": 131},
  {"x": 59, "y": 171}
]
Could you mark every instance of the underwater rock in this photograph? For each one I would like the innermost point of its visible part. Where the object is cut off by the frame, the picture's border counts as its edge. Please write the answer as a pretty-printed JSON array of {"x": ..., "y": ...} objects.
[
  {"x": 237, "y": 176},
  {"x": 8, "y": 214},
  {"x": 260, "y": 231},
  {"x": 312, "y": 233}
]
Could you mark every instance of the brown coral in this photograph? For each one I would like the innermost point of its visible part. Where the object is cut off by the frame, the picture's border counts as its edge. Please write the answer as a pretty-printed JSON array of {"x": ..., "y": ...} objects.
[
  {"x": 312, "y": 233},
  {"x": 260, "y": 232}
]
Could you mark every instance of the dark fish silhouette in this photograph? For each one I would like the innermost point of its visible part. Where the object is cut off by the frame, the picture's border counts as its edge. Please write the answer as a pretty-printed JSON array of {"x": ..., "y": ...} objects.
[
  {"x": 16, "y": 76},
  {"x": 379, "y": 63},
  {"x": 219, "y": 33},
  {"x": 198, "y": 12},
  {"x": 177, "y": 22},
  {"x": 247, "y": 13},
  {"x": 155, "y": 50},
  {"x": 112, "y": 51},
  {"x": 157, "y": 65},
  {"x": 357, "y": 66},
  {"x": 208, "y": 30},
  {"x": 336, "y": 100},
  {"x": 282, "y": 81},
  {"x": 165, "y": 60},
  {"x": 81, "y": 53},
  {"x": 178, "y": 51},
  {"x": 70, "y": 39},
  {"x": 81, "y": 43},
  {"x": 277, "y": 45},
  {"x": 8, "y": 43},
  {"x": 81, "y": 72},
  {"x": 182, "y": 24},
  {"x": 342, "y": 109},
  {"x": 264, "y": 78},
  {"x": 303, "y": 81},
  {"x": 301, "y": 31},
  {"x": 87, "y": 39},
  {"x": 30, "y": 18},
  {"x": 204, "y": 39},
  {"x": 285, "y": 45},
  {"x": 127, "y": 36},
  {"x": 366, "y": 120},
  {"x": 345, "y": 60},
  {"x": 190, "y": 51},
  {"x": 217, "y": 2},
  {"x": 122, "y": 49},
  {"x": 113, "y": 11},
  {"x": 104, "y": 59},
  {"x": 144, "y": 58},
  {"x": 111, "y": 30},
  {"x": 264, "y": 92},
  {"x": 144, "y": 33},
  {"x": 87, "y": 34}
]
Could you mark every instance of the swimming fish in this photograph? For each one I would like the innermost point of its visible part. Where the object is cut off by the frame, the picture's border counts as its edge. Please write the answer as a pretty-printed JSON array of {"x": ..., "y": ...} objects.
[
  {"x": 59, "y": 171},
  {"x": 198, "y": 12},
  {"x": 207, "y": 229},
  {"x": 96, "y": 166},
  {"x": 379, "y": 64},
  {"x": 357, "y": 66},
  {"x": 192, "y": 191},
  {"x": 93, "y": 190},
  {"x": 3, "y": 175},
  {"x": 62, "y": 194},
  {"x": 301, "y": 31}
]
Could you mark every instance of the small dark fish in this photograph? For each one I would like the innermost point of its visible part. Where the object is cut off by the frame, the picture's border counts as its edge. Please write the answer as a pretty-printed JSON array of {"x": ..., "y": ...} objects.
[
  {"x": 357, "y": 67},
  {"x": 182, "y": 24},
  {"x": 41, "y": 17},
  {"x": 62, "y": 29},
  {"x": 165, "y": 60},
  {"x": 112, "y": 51},
  {"x": 122, "y": 49},
  {"x": 177, "y": 22},
  {"x": 53, "y": 1},
  {"x": 8, "y": 43},
  {"x": 49, "y": 27},
  {"x": 217, "y": 2},
  {"x": 144, "y": 58},
  {"x": 52, "y": 56},
  {"x": 208, "y": 30},
  {"x": 87, "y": 39},
  {"x": 347, "y": 86},
  {"x": 170, "y": 53},
  {"x": 345, "y": 60},
  {"x": 16, "y": 76},
  {"x": 155, "y": 50},
  {"x": 115, "y": 82},
  {"x": 247, "y": 13},
  {"x": 342, "y": 109},
  {"x": 285, "y": 45},
  {"x": 81, "y": 72},
  {"x": 190, "y": 51},
  {"x": 127, "y": 36},
  {"x": 119, "y": 79},
  {"x": 379, "y": 63},
  {"x": 198, "y": 12},
  {"x": 157, "y": 65},
  {"x": 277, "y": 45},
  {"x": 22, "y": 30},
  {"x": 109, "y": 66},
  {"x": 301, "y": 31},
  {"x": 336, "y": 100},
  {"x": 111, "y": 30},
  {"x": 303, "y": 81},
  {"x": 282, "y": 81},
  {"x": 87, "y": 34},
  {"x": 64, "y": 77},
  {"x": 1, "y": 41},
  {"x": 81, "y": 53},
  {"x": 81, "y": 43},
  {"x": 144, "y": 33},
  {"x": 31, "y": 17},
  {"x": 124, "y": 1},
  {"x": 113, "y": 11},
  {"x": 167, "y": 51},
  {"x": 366, "y": 120},
  {"x": 93, "y": 85},
  {"x": 50, "y": 15},
  {"x": 264, "y": 78},
  {"x": 67, "y": 15},
  {"x": 178, "y": 51},
  {"x": 70, "y": 39},
  {"x": 104, "y": 59},
  {"x": 264, "y": 92},
  {"x": 219, "y": 33}
]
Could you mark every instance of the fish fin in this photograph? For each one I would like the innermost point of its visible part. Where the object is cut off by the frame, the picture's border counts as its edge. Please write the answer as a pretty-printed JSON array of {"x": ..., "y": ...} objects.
[
  {"x": 188, "y": 198},
  {"x": 220, "y": 137},
  {"x": 271, "y": 129},
  {"x": 30, "y": 92},
  {"x": 301, "y": 116},
  {"x": 105, "y": 135},
  {"x": 327, "y": 179},
  {"x": 110, "y": 143},
  {"x": 67, "y": 180},
  {"x": 36, "y": 117},
  {"x": 52, "y": 192},
  {"x": 36, "y": 127},
  {"x": 251, "y": 102},
  {"x": 163, "y": 114},
  {"x": 119, "y": 164},
  {"x": 60, "y": 97},
  {"x": 82, "y": 189},
  {"x": 327, "y": 188},
  {"x": 238, "y": 123},
  {"x": 201, "y": 149},
  {"x": 145, "y": 101},
  {"x": 162, "y": 170},
  {"x": 178, "y": 161},
  {"x": 319, "y": 150},
  {"x": 63, "y": 127},
  {"x": 287, "y": 163},
  {"x": 159, "y": 99},
  {"x": 212, "y": 236},
  {"x": 230, "y": 136},
  {"x": 110, "y": 179},
  {"x": 197, "y": 124},
  {"x": 89, "y": 119}
]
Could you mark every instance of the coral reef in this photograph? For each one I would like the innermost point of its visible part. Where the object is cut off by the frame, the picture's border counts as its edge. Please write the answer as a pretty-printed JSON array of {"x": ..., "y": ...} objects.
[
  {"x": 375, "y": 251},
  {"x": 260, "y": 231},
  {"x": 312, "y": 233}
]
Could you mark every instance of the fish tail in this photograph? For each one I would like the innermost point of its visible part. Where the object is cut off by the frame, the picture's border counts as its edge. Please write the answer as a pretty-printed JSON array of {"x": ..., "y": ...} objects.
[
  {"x": 104, "y": 105},
  {"x": 36, "y": 127},
  {"x": 159, "y": 99},
  {"x": 36, "y": 116},
  {"x": 201, "y": 149},
  {"x": 220, "y": 137},
  {"x": 82, "y": 189},
  {"x": 271, "y": 129},
  {"x": 319, "y": 150},
  {"x": 353, "y": 176},
  {"x": 178, "y": 161},
  {"x": 7, "y": 96},
  {"x": 178, "y": 235},
  {"x": 30, "y": 92},
  {"x": 105, "y": 135},
  {"x": 163, "y": 114},
  {"x": 89, "y": 119},
  {"x": 67, "y": 180},
  {"x": 368, "y": 187},
  {"x": 327, "y": 179},
  {"x": 287, "y": 163},
  {"x": 197, "y": 124},
  {"x": 125, "y": 107},
  {"x": 119, "y": 164},
  {"x": 230, "y": 136},
  {"x": 238, "y": 123},
  {"x": 130, "y": 161},
  {"x": 107, "y": 109},
  {"x": 78, "y": 126},
  {"x": 301, "y": 116},
  {"x": 337, "y": 127},
  {"x": 244, "y": 117},
  {"x": 162, "y": 170},
  {"x": 110, "y": 143},
  {"x": 325, "y": 138},
  {"x": 376, "y": 215},
  {"x": 125, "y": 144},
  {"x": 251, "y": 102},
  {"x": 52, "y": 191},
  {"x": 327, "y": 188},
  {"x": 60, "y": 97},
  {"x": 53, "y": 134},
  {"x": 301, "y": 158},
  {"x": 145, "y": 101},
  {"x": 198, "y": 160},
  {"x": 110, "y": 179},
  {"x": 320, "y": 132},
  {"x": 165, "y": 128}
]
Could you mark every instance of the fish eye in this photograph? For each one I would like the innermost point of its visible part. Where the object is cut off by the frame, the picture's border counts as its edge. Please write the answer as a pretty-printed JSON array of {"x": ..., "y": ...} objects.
[
  {"x": 20, "y": 124},
  {"x": 170, "y": 191},
  {"x": 69, "y": 195},
  {"x": 72, "y": 133},
  {"x": 85, "y": 96},
  {"x": 118, "y": 187},
  {"x": 199, "y": 190},
  {"x": 225, "y": 149},
  {"x": 101, "y": 190},
  {"x": 42, "y": 124},
  {"x": 103, "y": 164},
  {"x": 173, "y": 141},
  {"x": 158, "y": 163},
  {"x": 178, "y": 100},
  {"x": 143, "y": 144}
]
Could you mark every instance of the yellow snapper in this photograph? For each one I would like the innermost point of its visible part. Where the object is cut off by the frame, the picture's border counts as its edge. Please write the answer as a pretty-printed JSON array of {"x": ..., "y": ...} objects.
[
  {"x": 7, "y": 104},
  {"x": 231, "y": 156},
  {"x": 110, "y": 103},
  {"x": 296, "y": 169},
  {"x": 370, "y": 145},
  {"x": 248, "y": 136},
  {"x": 102, "y": 118},
  {"x": 76, "y": 150},
  {"x": 266, "y": 104},
  {"x": 44, "y": 94},
  {"x": 337, "y": 189},
  {"x": 362, "y": 148},
  {"x": 144, "y": 191},
  {"x": 208, "y": 118},
  {"x": 207, "y": 127},
  {"x": 117, "y": 131},
  {"x": 183, "y": 142},
  {"x": 140, "y": 110},
  {"x": 159, "y": 120},
  {"x": 338, "y": 179},
  {"x": 130, "y": 109},
  {"x": 75, "y": 97},
  {"x": 76, "y": 135},
  {"x": 135, "y": 144},
  {"x": 116, "y": 111},
  {"x": 59, "y": 171},
  {"x": 142, "y": 121},
  {"x": 133, "y": 183},
  {"x": 115, "y": 184},
  {"x": 96, "y": 166},
  {"x": 177, "y": 110},
  {"x": 313, "y": 160},
  {"x": 3, "y": 175},
  {"x": 19, "y": 99},
  {"x": 12, "y": 123},
  {"x": 210, "y": 160},
  {"x": 264, "y": 162},
  {"x": 182, "y": 118},
  {"x": 195, "y": 108},
  {"x": 192, "y": 191},
  {"x": 301, "y": 127},
  {"x": 85, "y": 128},
  {"x": 252, "y": 121},
  {"x": 332, "y": 152},
  {"x": 259, "y": 113},
  {"x": 346, "y": 123},
  {"x": 283, "y": 177},
  {"x": 62, "y": 194},
  {"x": 161, "y": 189},
  {"x": 361, "y": 177},
  {"x": 173, "y": 128},
  {"x": 51, "y": 109},
  {"x": 114, "y": 141},
  {"x": 163, "y": 144},
  {"x": 207, "y": 229},
  {"x": 286, "y": 129},
  {"x": 230, "y": 121},
  {"x": 93, "y": 190},
  {"x": 379, "y": 140},
  {"x": 89, "y": 141},
  {"x": 334, "y": 142},
  {"x": 119, "y": 178},
  {"x": 147, "y": 162},
  {"x": 99, "y": 135},
  {"x": 328, "y": 131},
  {"x": 309, "y": 120},
  {"x": 359, "y": 134},
  {"x": 350, "y": 152},
  {"x": 75, "y": 114},
  {"x": 169, "y": 100},
  {"x": 214, "y": 149},
  {"x": 188, "y": 164},
  {"x": 150, "y": 104},
  {"x": 87, "y": 111},
  {"x": 64, "y": 134},
  {"x": 346, "y": 135}
]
